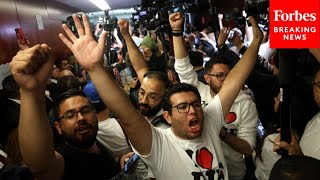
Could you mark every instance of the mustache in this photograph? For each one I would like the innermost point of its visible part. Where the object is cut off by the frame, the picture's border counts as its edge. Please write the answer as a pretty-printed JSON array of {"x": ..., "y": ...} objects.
[
  {"x": 144, "y": 105},
  {"x": 81, "y": 125}
]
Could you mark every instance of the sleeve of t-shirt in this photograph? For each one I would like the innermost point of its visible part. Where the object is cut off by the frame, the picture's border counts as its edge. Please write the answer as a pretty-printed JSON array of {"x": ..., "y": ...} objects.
[
  {"x": 214, "y": 114},
  {"x": 186, "y": 73},
  {"x": 153, "y": 159},
  {"x": 248, "y": 125}
]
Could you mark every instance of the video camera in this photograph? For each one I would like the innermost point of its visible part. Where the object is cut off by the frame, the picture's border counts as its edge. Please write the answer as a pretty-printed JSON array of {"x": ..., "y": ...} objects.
[
  {"x": 109, "y": 23},
  {"x": 154, "y": 14},
  {"x": 259, "y": 9},
  {"x": 70, "y": 23}
]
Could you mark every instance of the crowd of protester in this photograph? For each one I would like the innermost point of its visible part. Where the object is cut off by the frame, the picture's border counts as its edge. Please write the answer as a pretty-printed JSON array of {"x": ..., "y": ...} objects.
[{"x": 194, "y": 114}]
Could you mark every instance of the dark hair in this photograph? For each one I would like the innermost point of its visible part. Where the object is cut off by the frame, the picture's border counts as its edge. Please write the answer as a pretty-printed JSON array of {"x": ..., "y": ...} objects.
[
  {"x": 98, "y": 107},
  {"x": 63, "y": 96},
  {"x": 58, "y": 62},
  {"x": 177, "y": 88},
  {"x": 196, "y": 58},
  {"x": 160, "y": 76},
  {"x": 135, "y": 32},
  {"x": 217, "y": 58},
  {"x": 296, "y": 168},
  {"x": 10, "y": 87},
  {"x": 67, "y": 82}
]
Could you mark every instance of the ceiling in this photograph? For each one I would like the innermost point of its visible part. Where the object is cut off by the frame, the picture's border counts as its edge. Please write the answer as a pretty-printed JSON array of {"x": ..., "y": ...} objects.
[{"x": 87, "y": 6}]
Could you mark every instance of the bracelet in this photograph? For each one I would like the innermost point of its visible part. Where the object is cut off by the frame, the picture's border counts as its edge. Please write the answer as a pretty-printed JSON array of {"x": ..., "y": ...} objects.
[
  {"x": 179, "y": 30},
  {"x": 177, "y": 33}
]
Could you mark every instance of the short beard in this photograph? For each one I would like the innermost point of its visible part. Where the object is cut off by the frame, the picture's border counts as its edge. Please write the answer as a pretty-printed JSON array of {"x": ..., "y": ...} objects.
[
  {"x": 84, "y": 143},
  {"x": 152, "y": 111},
  {"x": 214, "y": 88}
]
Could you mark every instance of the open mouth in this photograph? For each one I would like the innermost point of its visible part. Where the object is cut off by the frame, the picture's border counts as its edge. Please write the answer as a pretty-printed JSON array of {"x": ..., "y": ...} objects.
[{"x": 194, "y": 125}]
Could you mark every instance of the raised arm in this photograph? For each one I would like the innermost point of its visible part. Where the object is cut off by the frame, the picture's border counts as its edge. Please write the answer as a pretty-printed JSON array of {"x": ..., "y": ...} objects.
[
  {"x": 136, "y": 57},
  {"x": 240, "y": 72},
  {"x": 248, "y": 30},
  {"x": 31, "y": 69},
  {"x": 89, "y": 54},
  {"x": 115, "y": 35},
  {"x": 182, "y": 64},
  {"x": 176, "y": 23},
  {"x": 220, "y": 17}
]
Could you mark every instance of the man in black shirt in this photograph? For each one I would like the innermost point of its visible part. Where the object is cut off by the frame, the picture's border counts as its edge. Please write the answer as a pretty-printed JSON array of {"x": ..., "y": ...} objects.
[{"x": 81, "y": 157}]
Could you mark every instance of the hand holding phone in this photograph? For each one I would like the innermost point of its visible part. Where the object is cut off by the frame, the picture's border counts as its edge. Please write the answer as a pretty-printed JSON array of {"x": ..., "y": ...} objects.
[
  {"x": 20, "y": 36},
  {"x": 130, "y": 164}
]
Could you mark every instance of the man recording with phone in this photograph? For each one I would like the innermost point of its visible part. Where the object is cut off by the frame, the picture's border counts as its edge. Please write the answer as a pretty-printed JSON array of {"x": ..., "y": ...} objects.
[{"x": 308, "y": 144}]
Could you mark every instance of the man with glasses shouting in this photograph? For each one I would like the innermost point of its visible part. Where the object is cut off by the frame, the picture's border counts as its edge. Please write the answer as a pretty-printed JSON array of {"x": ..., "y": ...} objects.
[{"x": 238, "y": 135}]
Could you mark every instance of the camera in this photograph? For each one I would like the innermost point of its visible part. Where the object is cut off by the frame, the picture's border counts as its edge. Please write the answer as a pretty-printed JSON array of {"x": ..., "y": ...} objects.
[
  {"x": 110, "y": 23},
  {"x": 183, "y": 8},
  {"x": 259, "y": 9},
  {"x": 154, "y": 14},
  {"x": 231, "y": 35},
  {"x": 70, "y": 23}
]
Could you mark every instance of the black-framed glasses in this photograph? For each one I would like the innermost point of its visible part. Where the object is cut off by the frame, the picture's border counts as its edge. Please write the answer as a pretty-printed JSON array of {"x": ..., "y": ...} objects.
[
  {"x": 219, "y": 76},
  {"x": 151, "y": 97},
  {"x": 72, "y": 114},
  {"x": 316, "y": 86},
  {"x": 185, "y": 107}
]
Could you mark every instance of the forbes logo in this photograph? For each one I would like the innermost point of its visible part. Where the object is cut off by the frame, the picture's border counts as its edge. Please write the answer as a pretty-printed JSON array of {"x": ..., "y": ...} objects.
[{"x": 279, "y": 15}]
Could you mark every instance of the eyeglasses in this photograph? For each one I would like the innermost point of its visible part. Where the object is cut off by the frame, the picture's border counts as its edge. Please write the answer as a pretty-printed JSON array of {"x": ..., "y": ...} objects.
[
  {"x": 151, "y": 97},
  {"x": 185, "y": 107},
  {"x": 71, "y": 114},
  {"x": 316, "y": 86},
  {"x": 219, "y": 76}
]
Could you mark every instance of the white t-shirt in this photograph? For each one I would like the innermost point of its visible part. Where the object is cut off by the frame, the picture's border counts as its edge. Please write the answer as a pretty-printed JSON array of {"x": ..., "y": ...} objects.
[
  {"x": 263, "y": 168},
  {"x": 242, "y": 118},
  {"x": 265, "y": 51},
  {"x": 168, "y": 158},
  {"x": 309, "y": 142},
  {"x": 110, "y": 135},
  {"x": 242, "y": 123},
  {"x": 137, "y": 40}
]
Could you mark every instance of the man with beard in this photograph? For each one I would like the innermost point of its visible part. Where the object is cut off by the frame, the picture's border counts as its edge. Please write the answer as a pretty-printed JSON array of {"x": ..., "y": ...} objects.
[
  {"x": 81, "y": 157},
  {"x": 153, "y": 83},
  {"x": 152, "y": 88},
  {"x": 77, "y": 123}
]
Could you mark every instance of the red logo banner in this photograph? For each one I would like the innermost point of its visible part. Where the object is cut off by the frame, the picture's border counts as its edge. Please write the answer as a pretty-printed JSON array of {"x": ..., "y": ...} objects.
[{"x": 295, "y": 23}]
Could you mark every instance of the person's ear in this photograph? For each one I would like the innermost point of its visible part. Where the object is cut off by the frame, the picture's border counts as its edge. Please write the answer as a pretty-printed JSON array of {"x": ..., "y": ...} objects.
[
  {"x": 57, "y": 125},
  {"x": 206, "y": 78},
  {"x": 167, "y": 116}
]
